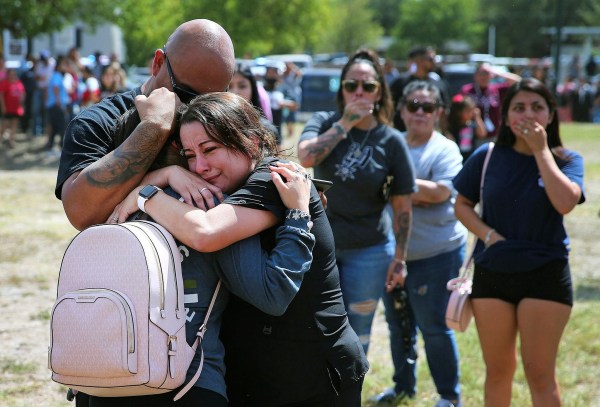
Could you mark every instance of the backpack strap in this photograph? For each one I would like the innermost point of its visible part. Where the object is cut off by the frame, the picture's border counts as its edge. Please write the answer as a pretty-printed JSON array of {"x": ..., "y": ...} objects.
[{"x": 198, "y": 344}]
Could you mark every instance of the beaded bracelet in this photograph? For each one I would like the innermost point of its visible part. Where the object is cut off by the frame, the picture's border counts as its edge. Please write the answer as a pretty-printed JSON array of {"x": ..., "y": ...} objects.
[{"x": 297, "y": 214}]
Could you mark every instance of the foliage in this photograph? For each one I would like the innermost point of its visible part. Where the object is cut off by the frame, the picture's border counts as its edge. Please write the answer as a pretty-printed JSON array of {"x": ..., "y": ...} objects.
[
  {"x": 435, "y": 22},
  {"x": 28, "y": 18},
  {"x": 147, "y": 24},
  {"x": 352, "y": 29},
  {"x": 386, "y": 13},
  {"x": 519, "y": 24},
  {"x": 259, "y": 27}
]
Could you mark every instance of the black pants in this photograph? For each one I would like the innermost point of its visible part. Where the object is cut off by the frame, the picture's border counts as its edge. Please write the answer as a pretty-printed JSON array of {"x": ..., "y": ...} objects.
[{"x": 195, "y": 397}]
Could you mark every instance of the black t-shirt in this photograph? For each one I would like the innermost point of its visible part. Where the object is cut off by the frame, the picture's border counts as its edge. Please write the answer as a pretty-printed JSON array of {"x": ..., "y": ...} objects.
[
  {"x": 90, "y": 135},
  {"x": 286, "y": 359}
]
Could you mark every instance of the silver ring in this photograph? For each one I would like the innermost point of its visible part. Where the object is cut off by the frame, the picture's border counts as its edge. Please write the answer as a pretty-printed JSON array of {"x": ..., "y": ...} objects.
[
  {"x": 307, "y": 175},
  {"x": 116, "y": 220},
  {"x": 202, "y": 190}
]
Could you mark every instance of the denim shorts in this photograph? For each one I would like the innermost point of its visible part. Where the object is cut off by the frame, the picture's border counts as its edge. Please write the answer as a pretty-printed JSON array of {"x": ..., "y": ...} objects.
[{"x": 551, "y": 282}]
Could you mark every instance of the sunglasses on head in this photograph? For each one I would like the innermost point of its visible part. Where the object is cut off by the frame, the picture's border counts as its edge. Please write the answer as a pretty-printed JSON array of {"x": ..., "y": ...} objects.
[
  {"x": 185, "y": 95},
  {"x": 350, "y": 85},
  {"x": 414, "y": 105}
]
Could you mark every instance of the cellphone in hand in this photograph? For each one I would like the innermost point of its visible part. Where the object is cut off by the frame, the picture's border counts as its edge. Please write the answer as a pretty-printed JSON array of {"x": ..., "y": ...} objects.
[{"x": 322, "y": 185}]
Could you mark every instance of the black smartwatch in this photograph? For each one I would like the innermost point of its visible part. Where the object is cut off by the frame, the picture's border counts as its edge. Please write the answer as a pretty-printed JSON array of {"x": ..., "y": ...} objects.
[{"x": 146, "y": 193}]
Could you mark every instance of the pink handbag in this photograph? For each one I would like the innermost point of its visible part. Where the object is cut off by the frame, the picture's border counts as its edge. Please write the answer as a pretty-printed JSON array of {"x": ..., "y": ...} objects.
[{"x": 458, "y": 311}]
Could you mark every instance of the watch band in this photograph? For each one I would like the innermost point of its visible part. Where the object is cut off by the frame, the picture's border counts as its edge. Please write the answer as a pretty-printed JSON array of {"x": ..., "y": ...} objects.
[{"x": 146, "y": 193}]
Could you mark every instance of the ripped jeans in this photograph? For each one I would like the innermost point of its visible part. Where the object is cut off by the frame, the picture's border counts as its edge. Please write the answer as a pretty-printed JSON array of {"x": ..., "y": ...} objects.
[
  {"x": 362, "y": 278},
  {"x": 428, "y": 298}
]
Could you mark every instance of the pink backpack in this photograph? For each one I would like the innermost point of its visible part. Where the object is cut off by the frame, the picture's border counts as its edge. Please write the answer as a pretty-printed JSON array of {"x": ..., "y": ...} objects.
[{"x": 118, "y": 324}]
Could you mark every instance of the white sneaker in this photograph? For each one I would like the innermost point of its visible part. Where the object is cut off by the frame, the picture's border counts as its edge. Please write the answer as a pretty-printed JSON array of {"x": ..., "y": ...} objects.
[{"x": 447, "y": 403}]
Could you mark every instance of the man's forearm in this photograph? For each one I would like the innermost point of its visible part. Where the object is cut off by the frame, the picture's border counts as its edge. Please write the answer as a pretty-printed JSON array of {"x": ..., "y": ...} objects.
[{"x": 90, "y": 196}]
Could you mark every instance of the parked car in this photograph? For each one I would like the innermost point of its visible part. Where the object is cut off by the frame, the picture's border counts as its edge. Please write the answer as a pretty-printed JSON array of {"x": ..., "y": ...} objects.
[
  {"x": 302, "y": 61},
  {"x": 457, "y": 75},
  {"x": 319, "y": 88}
]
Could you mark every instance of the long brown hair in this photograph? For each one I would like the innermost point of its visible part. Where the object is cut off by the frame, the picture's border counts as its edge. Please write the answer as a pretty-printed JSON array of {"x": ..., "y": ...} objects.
[
  {"x": 383, "y": 108},
  {"x": 505, "y": 135},
  {"x": 231, "y": 121}
]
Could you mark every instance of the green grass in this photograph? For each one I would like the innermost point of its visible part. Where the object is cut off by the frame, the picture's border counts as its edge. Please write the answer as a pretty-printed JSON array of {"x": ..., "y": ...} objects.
[{"x": 579, "y": 355}]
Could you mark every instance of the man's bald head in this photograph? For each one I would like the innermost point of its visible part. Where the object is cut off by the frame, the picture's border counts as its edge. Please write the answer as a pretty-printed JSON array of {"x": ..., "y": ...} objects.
[{"x": 201, "y": 56}]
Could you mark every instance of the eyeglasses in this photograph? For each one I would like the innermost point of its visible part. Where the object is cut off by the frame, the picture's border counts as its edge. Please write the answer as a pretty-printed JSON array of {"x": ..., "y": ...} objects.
[
  {"x": 414, "y": 105},
  {"x": 185, "y": 95},
  {"x": 350, "y": 85}
]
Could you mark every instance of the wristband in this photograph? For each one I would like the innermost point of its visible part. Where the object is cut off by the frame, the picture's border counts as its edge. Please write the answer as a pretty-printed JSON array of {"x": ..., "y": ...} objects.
[
  {"x": 488, "y": 236},
  {"x": 297, "y": 214},
  {"x": 340, "y": 130}
]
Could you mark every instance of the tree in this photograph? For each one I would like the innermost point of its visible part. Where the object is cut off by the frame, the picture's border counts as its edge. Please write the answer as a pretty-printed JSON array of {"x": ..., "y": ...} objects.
[
  {"x": 146, "y": 26},
  {"x": 259, "y": 27},
  {"x": 28, "y": 18},
  {"x": 435, "y": 22},
  {"x": 386, "y": 13},
  {"x": 354, "y": 26},
  {"x": 519, "y": 26}
]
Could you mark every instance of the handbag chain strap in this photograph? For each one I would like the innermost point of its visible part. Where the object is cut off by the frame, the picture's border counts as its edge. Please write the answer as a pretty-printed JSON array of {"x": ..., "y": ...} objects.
[{"x": 465, "y": 268}]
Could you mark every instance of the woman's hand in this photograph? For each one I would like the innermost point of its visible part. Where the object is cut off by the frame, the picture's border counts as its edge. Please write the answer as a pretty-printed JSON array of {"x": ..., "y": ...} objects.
[
  {"x": 295, "y": 190},
  {"x": 355, "y": 111},
  {"x": 159, "y": 107},
  {"x": 192, "y": 188},
  {"x": 396, "y": 275},
  {"x": 533, "y": 133},
  {"x": 126, "y": 208}
]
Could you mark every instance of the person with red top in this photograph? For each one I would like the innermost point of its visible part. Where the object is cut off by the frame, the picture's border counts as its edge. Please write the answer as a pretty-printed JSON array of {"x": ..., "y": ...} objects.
[
  {"x": 12, "y": 94},
  {"x": 488, "y": 96}
]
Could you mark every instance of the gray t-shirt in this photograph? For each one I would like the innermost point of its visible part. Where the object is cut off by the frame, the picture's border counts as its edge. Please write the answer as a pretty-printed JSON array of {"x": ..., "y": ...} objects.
[
  {"x": 435, "y": 229},
  {"x": 359, "y": 167}
]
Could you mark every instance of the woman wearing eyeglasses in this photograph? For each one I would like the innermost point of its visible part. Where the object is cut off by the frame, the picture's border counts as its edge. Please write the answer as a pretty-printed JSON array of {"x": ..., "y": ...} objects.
[
  {"x": 435, "y": 252},
  {"x": 370, "y": 166}
]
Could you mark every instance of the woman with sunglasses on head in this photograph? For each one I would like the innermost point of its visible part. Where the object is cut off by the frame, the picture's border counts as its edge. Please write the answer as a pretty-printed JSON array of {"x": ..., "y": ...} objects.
[
  {"x": 370, "y": 166},
  {"x": 435, "y": 253},
  {"x": 522, "y": 281}
]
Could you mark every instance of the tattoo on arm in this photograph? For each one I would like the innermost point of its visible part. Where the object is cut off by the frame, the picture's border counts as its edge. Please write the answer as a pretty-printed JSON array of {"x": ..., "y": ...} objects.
[
  {"x": 403, "y": 221},
  {"x": 352, "y": 117},
  {"x": 126, "y": 162},
  {"x": 323, "y": 146}
]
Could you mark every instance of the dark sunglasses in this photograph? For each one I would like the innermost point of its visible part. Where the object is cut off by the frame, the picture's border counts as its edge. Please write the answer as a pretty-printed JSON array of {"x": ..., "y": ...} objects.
[
  {"x": 185, "y": 95},
  {"x": 350, "y": 85},
  {"x": 414, "y": 105}
]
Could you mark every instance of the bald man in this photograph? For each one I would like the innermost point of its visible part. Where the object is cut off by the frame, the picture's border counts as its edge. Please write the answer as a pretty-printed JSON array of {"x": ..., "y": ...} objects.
[{"x": 96, "y": 172}]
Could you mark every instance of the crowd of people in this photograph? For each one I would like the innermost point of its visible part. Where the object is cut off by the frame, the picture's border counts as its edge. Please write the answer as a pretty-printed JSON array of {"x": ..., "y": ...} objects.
[
  {"x": 304, "y": 271},
  {"x": 40, "y": 98}
]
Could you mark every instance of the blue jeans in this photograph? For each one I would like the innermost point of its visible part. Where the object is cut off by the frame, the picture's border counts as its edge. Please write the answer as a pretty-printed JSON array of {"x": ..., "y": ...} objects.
[
  {"x": 362, "y": 278},
  {"x": 427, "y": 298}
]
